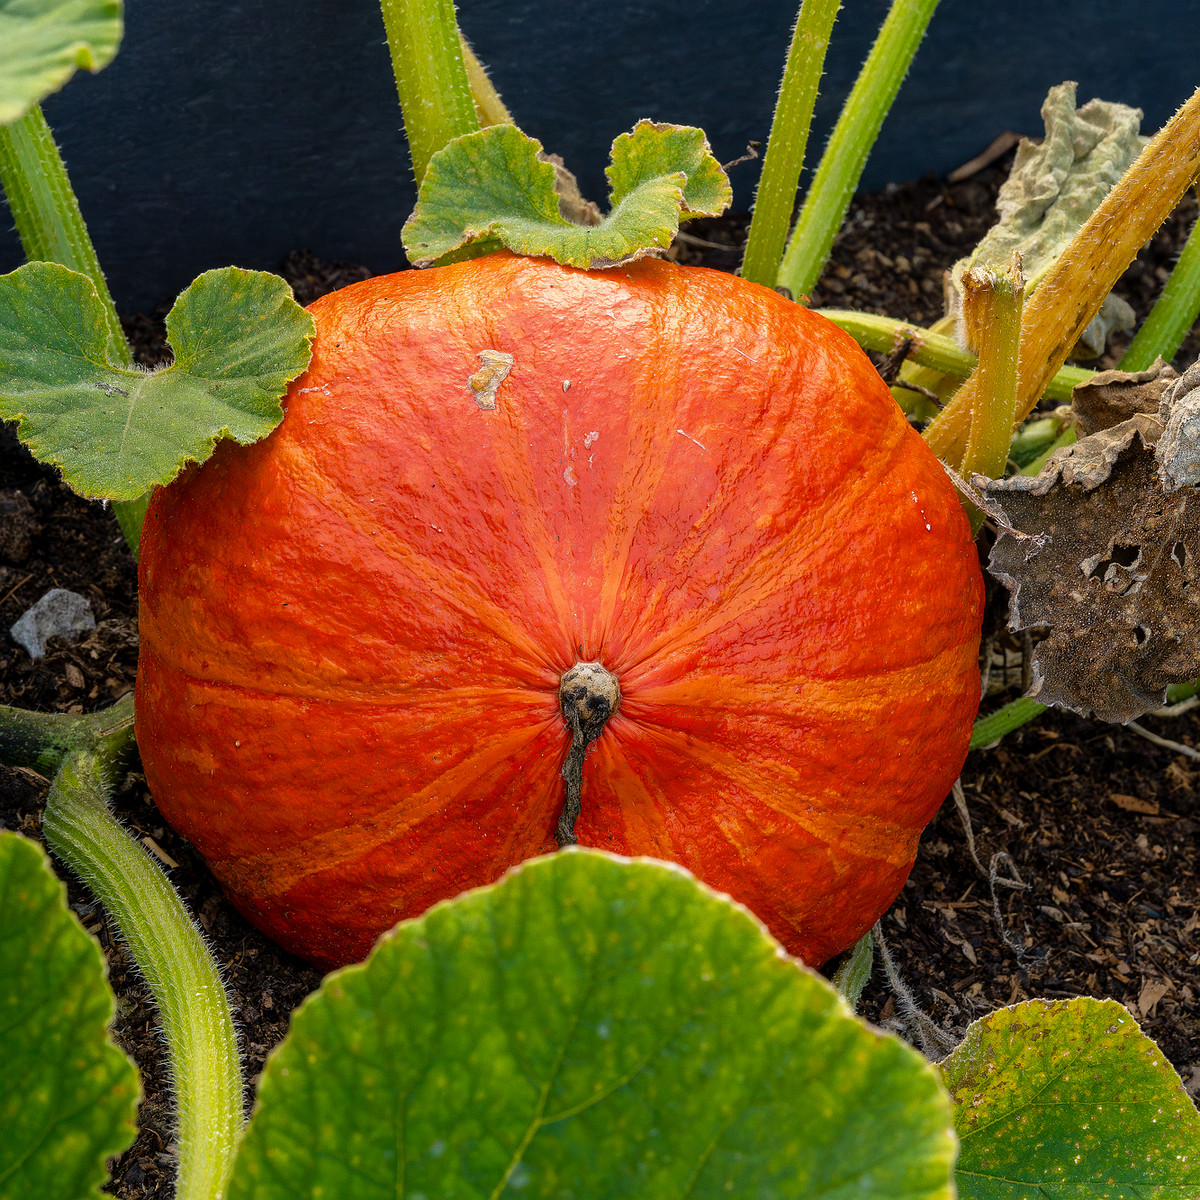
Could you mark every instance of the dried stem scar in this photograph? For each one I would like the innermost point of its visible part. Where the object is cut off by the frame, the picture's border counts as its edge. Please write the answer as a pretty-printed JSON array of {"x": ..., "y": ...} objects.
[{"x": 485, "y": 381}]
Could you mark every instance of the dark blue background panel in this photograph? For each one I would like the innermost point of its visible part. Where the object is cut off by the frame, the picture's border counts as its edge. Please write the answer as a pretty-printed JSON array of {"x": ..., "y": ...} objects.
[{"x": 235, "y": 133}]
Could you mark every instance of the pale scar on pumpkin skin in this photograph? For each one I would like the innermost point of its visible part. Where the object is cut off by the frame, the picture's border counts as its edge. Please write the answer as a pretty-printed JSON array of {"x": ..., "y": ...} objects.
[{"x": 485, "y": 382}]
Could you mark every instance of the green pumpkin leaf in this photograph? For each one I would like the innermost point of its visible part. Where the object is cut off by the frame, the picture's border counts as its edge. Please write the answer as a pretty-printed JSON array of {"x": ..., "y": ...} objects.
[
  {"x": 653, "y": 150},
  {"x": 238, "y": 336},
  {"x": 1069, "y": 1100},
  {"x": 495, "y": 186},
  {"x": 590, "y": 1027},
  {"x": 44, "y": 42},
  {"x": 69, "y": 1096}
]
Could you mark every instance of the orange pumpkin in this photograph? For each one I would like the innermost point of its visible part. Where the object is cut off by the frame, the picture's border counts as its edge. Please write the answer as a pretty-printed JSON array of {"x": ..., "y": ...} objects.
[{"x": 354, "y": 633}]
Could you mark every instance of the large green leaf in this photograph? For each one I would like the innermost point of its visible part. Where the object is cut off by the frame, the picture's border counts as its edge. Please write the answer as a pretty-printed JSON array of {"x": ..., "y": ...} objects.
[
  {"x": 590, "y": 1027},
  {"x": 493, "y": 185},
  {"x": 1069, "y": 1100},
  {"x": 69, "y": 1095},
  {"x": 44, "y": 42},
  {"x": 238, "y": 336}
]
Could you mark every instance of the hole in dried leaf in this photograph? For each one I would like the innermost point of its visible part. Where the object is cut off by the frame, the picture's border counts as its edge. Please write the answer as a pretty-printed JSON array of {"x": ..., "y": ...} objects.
[
  {"x": 1109, "y": 580},
  {"x": 1120, "y": 555}
]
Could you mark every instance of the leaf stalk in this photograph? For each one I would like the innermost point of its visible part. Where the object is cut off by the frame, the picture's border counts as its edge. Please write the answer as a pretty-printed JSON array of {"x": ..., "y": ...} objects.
[
  {"x": 1174, "y": 312},
  {"x": 857, "y": 127},
  {"x": 776, "y": 197},
  {"x": 935, "y": 350},
  {"x": 1013, "y": 715},
  {"x": 47, "y": 216},
  {"x": 990, "y": 729},
  {"x": 992, "y": 319},
  {"x": 52, "y": 229},
  {"x": 431, "y": 77}
]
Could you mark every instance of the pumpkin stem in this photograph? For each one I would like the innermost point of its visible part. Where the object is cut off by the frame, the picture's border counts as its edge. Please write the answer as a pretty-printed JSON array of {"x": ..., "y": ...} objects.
[{"x": 588, "y": 694}]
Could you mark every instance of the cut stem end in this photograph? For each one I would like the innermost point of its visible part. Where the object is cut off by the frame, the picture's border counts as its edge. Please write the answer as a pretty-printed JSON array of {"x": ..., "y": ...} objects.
[{"x": 588, "y": 695}]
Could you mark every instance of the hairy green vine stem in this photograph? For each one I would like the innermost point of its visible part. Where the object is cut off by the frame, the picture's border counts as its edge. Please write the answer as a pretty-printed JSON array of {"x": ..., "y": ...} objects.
[
  {"x": 170, "y": 952},
  {"x": 42, "y": 740},
  {"x": 1174, "y": 312},
  {"x": 853, "y": 136},
  {"x": 776, "y": 197},
  {"x": 990, "y": 729},
  {"x": 431, "y": 76},
  {"x": 987, "y": 731},
  {"x": 935, "y": 350},
  {"x": 992, "y": 306},
  {"x": 588, "y": 695},
  {"x": 46, "y": 213}
]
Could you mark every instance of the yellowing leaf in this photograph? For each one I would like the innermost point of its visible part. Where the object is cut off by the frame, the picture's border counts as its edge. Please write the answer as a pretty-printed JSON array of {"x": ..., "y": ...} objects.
[
  {"x": 1069, "y": 1100},
  {"x": 590, "y": 1027}
]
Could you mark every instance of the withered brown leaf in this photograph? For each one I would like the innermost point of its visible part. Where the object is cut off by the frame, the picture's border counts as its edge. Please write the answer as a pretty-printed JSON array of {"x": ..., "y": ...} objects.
[
  {"x": 1116, "y": 575},
  {"x": 1111, "y": 397}
]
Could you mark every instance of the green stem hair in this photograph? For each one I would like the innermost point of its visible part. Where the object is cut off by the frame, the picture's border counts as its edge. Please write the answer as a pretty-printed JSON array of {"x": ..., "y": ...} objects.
[
  {"x": 431, "y": 77},
  {"x": 776, "y": 198},
  {"x": 171, "y": 953},
  {"x": 853, "y": 136},
  {"x": 1174, "y": 312}
]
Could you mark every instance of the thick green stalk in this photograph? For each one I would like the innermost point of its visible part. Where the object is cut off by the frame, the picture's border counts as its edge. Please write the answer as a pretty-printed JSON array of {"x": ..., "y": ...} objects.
[
  {"x": 992, "y": 318},
  {"x": 853, "y": 136},
  {"x": 42, "y": 740},
  {"x": 170, "y": 951},
  {"x": 1174, "y": 312},
  {"x": 935, "y": 350},
  {"x": 431, "y": 78},
  {"x": 1021, "y": 711},
  {"x": 1066, "y": 438},
  {"x": 1012, "y": 716},
  {"x": 1034, "y": 438},
  {"x": 47, "y": 215},
  {"x": 51, "y": 227},
  {"x": 776, "y": 197}
]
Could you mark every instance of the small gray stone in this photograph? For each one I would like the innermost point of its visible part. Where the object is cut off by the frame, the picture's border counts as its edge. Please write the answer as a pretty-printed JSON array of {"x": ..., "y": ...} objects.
[{"x": 58, "y": 613}]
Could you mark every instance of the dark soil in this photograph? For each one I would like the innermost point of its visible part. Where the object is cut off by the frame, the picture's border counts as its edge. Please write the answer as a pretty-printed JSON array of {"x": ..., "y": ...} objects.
[{"x": 1100, "y": 823}]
